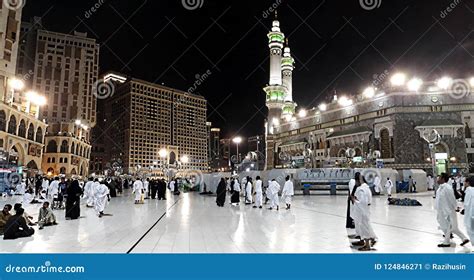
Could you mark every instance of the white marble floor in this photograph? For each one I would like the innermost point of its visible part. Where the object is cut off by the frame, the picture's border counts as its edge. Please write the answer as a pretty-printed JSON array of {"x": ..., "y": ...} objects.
[{"x": 192, "y": 223}]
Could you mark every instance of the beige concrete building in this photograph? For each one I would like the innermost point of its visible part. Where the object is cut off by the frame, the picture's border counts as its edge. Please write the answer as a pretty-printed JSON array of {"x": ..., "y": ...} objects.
[
  {"x": 144, "y": 118},
  {"x": 21, "y": 133},
  {"x": 65, "y": 68}
]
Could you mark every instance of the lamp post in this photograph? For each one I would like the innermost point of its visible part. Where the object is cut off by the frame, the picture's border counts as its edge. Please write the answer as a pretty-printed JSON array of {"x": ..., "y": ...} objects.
[
  {"x": 433, "y": 138},
  {"x": 237, "y": 140}
]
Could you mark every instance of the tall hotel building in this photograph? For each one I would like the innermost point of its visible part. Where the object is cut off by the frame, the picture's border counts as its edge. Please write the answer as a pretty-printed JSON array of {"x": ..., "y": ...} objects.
[
  {"x": 64, "y": 67},
  {"x": 144, "y": 118},
  {"x": 21, "y": 132}
]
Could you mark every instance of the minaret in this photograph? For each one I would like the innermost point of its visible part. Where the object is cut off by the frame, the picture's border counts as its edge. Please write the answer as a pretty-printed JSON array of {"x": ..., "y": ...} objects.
[
  {"x": 275, "y": 91},
  {"x": 287, "y": 66}
]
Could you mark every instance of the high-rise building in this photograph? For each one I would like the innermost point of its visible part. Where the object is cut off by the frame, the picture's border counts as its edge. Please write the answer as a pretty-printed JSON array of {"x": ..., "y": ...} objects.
[
  {"x": 215, "y": 148},
  {"x": 225, "y": 156},
  {"x": 154, "y": 127},
  {"x": 65, "y": 68},
  {"x": 21, "y": 133}
]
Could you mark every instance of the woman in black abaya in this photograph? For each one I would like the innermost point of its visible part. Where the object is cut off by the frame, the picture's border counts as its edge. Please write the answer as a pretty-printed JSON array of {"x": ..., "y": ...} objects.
[
  {"x": 74, "y": 192},
  {"x": 221, "y": 190}
]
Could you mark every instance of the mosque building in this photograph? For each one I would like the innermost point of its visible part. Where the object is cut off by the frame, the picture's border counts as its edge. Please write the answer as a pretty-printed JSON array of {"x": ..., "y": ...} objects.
[{"x": 388, "y": 125}]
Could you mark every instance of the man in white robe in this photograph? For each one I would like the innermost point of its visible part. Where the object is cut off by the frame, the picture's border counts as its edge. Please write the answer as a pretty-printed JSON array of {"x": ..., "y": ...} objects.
[
  {"x": 258, "y": 193},
  {"x": 53, "y": 188},
  {"x": 248, "y": 191},
  {"x": 469, "y": 207},
  {"x": 361, "y": 212},
  {"x": 45, "y": 185},
  {"x": 138, "y": 191},
  {"x": 146, "y": 187},
  {"x": 89, "y": 192},
  {"x": 388, "y": 187},
  {"x": 101, "y": 197},
  {"x": 446, "y": 205},
  {"x": 273, "y": 189},
  {"x": 288, "y": 192}
]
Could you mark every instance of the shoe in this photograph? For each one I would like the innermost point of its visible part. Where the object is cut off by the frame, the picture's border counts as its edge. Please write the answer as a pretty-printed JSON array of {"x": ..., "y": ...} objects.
[
  {"x": 40, "y": 228},
  {"x": 373, "y": 242},
  {"x": 278, "y": 208},
  {"x": 442, "y": 245},
  {"x": 464, "y": 242},
  {"x": 270, "y": 208},
  {"x": 254, "y": 207},
  {"x": 358, "y": 243},
  {"x": 260, "y": 207}
]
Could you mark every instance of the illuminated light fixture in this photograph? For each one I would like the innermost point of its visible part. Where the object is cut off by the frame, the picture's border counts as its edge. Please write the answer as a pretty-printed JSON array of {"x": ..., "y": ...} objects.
[
  {"x": 414, "y": 84},
  {"x": 288, "y": 118},
  {"x": 471, "y": 81},
  {"x": 444, "y": 82},
  {"x": 17, "y": 84},
  {"x": 344, "y": 101},
  {"x": 398, "y": 79},
  {"x": 452, "y": 159},
  {"x": 323, "y": 107},
  {"x": 184, "y": 159},
  {"x": 78, "y": 122},
  {"x": 302, "y": 113},
  {"x": 163, "y": 153},
  {"x": 35, "y": 98},
  {"x": 237, "y": 140},
  {"x": 275, "y": 121},
  {"x": 369, "y": 92}
]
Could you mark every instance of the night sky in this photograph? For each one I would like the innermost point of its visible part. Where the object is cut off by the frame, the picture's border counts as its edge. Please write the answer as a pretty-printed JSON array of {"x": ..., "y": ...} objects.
[{"x": 337, "y": 44}]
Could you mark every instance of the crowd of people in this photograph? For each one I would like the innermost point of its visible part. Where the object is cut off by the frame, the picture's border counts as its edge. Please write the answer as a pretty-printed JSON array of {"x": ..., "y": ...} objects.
[
  {"x": 60, "y": 193},
  {"x": 255, "y": 192}
]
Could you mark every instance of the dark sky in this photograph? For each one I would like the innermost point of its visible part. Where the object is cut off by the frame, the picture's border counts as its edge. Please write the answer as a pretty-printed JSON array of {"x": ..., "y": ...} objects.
[{"x": 337, "y": 45}]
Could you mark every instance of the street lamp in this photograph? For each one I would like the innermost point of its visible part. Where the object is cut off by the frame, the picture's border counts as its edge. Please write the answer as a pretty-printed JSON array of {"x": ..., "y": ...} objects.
[{"x": 237, "y": 140}]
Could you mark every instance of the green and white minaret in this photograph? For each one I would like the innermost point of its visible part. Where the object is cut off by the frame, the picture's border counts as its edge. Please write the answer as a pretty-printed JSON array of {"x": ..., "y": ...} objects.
[
  {"x": 287, "y": 66},
  {"x": 275, "y": 91}
]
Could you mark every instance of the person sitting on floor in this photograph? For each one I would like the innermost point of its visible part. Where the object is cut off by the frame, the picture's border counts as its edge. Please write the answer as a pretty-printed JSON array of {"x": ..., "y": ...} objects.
[
  {"x": 16, "y": 226},
  {"x": 4, "y": 216},
  {"x": 46, "y": 216},
  {"x": 28, "y": 217}
]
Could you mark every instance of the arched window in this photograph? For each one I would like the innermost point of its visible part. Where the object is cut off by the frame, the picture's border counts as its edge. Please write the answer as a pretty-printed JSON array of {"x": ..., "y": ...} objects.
[
  {"x": 73, "y": 149},
  {"x": 62, "y": 170},
  {"x": 3, "y": 121},
  {"x": 64, "y": 147},
  {"x": 172, "y": 158},
  {"x": 22, "y": 129},
  {"x": 385, "y": 143},
  {"x": 39, "y": 135},
  {"x": 31, "y": 132},
  {"x": 52, "y": 147},
  {"x": 80, "y": 151},
  {"x": 342, "y": 153},
  {"x": 50, "y": 171},
  {"x": 12, "y": 125}
]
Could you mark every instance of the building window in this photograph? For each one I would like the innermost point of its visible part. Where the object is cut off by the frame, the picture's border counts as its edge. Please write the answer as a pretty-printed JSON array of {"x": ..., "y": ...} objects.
[
  {"x": 12, "y": 125},
  {"x": 52, "y": 147}
]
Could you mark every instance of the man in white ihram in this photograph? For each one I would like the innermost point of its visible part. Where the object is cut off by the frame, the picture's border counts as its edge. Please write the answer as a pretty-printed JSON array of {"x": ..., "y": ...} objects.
[
  {"x": 53, "y": 189},
  {"x": 388, "y": 187},
  {"x": 273, "y": 189},
  {"x": 101, "y": 197},
  {"x": 89, "y": 192},
  {"x": 288, "y": 192},
  {"x": 446, "y": 205},
  {"x": 258, "y": 193},
  {"x": 138, "y": 191}
]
